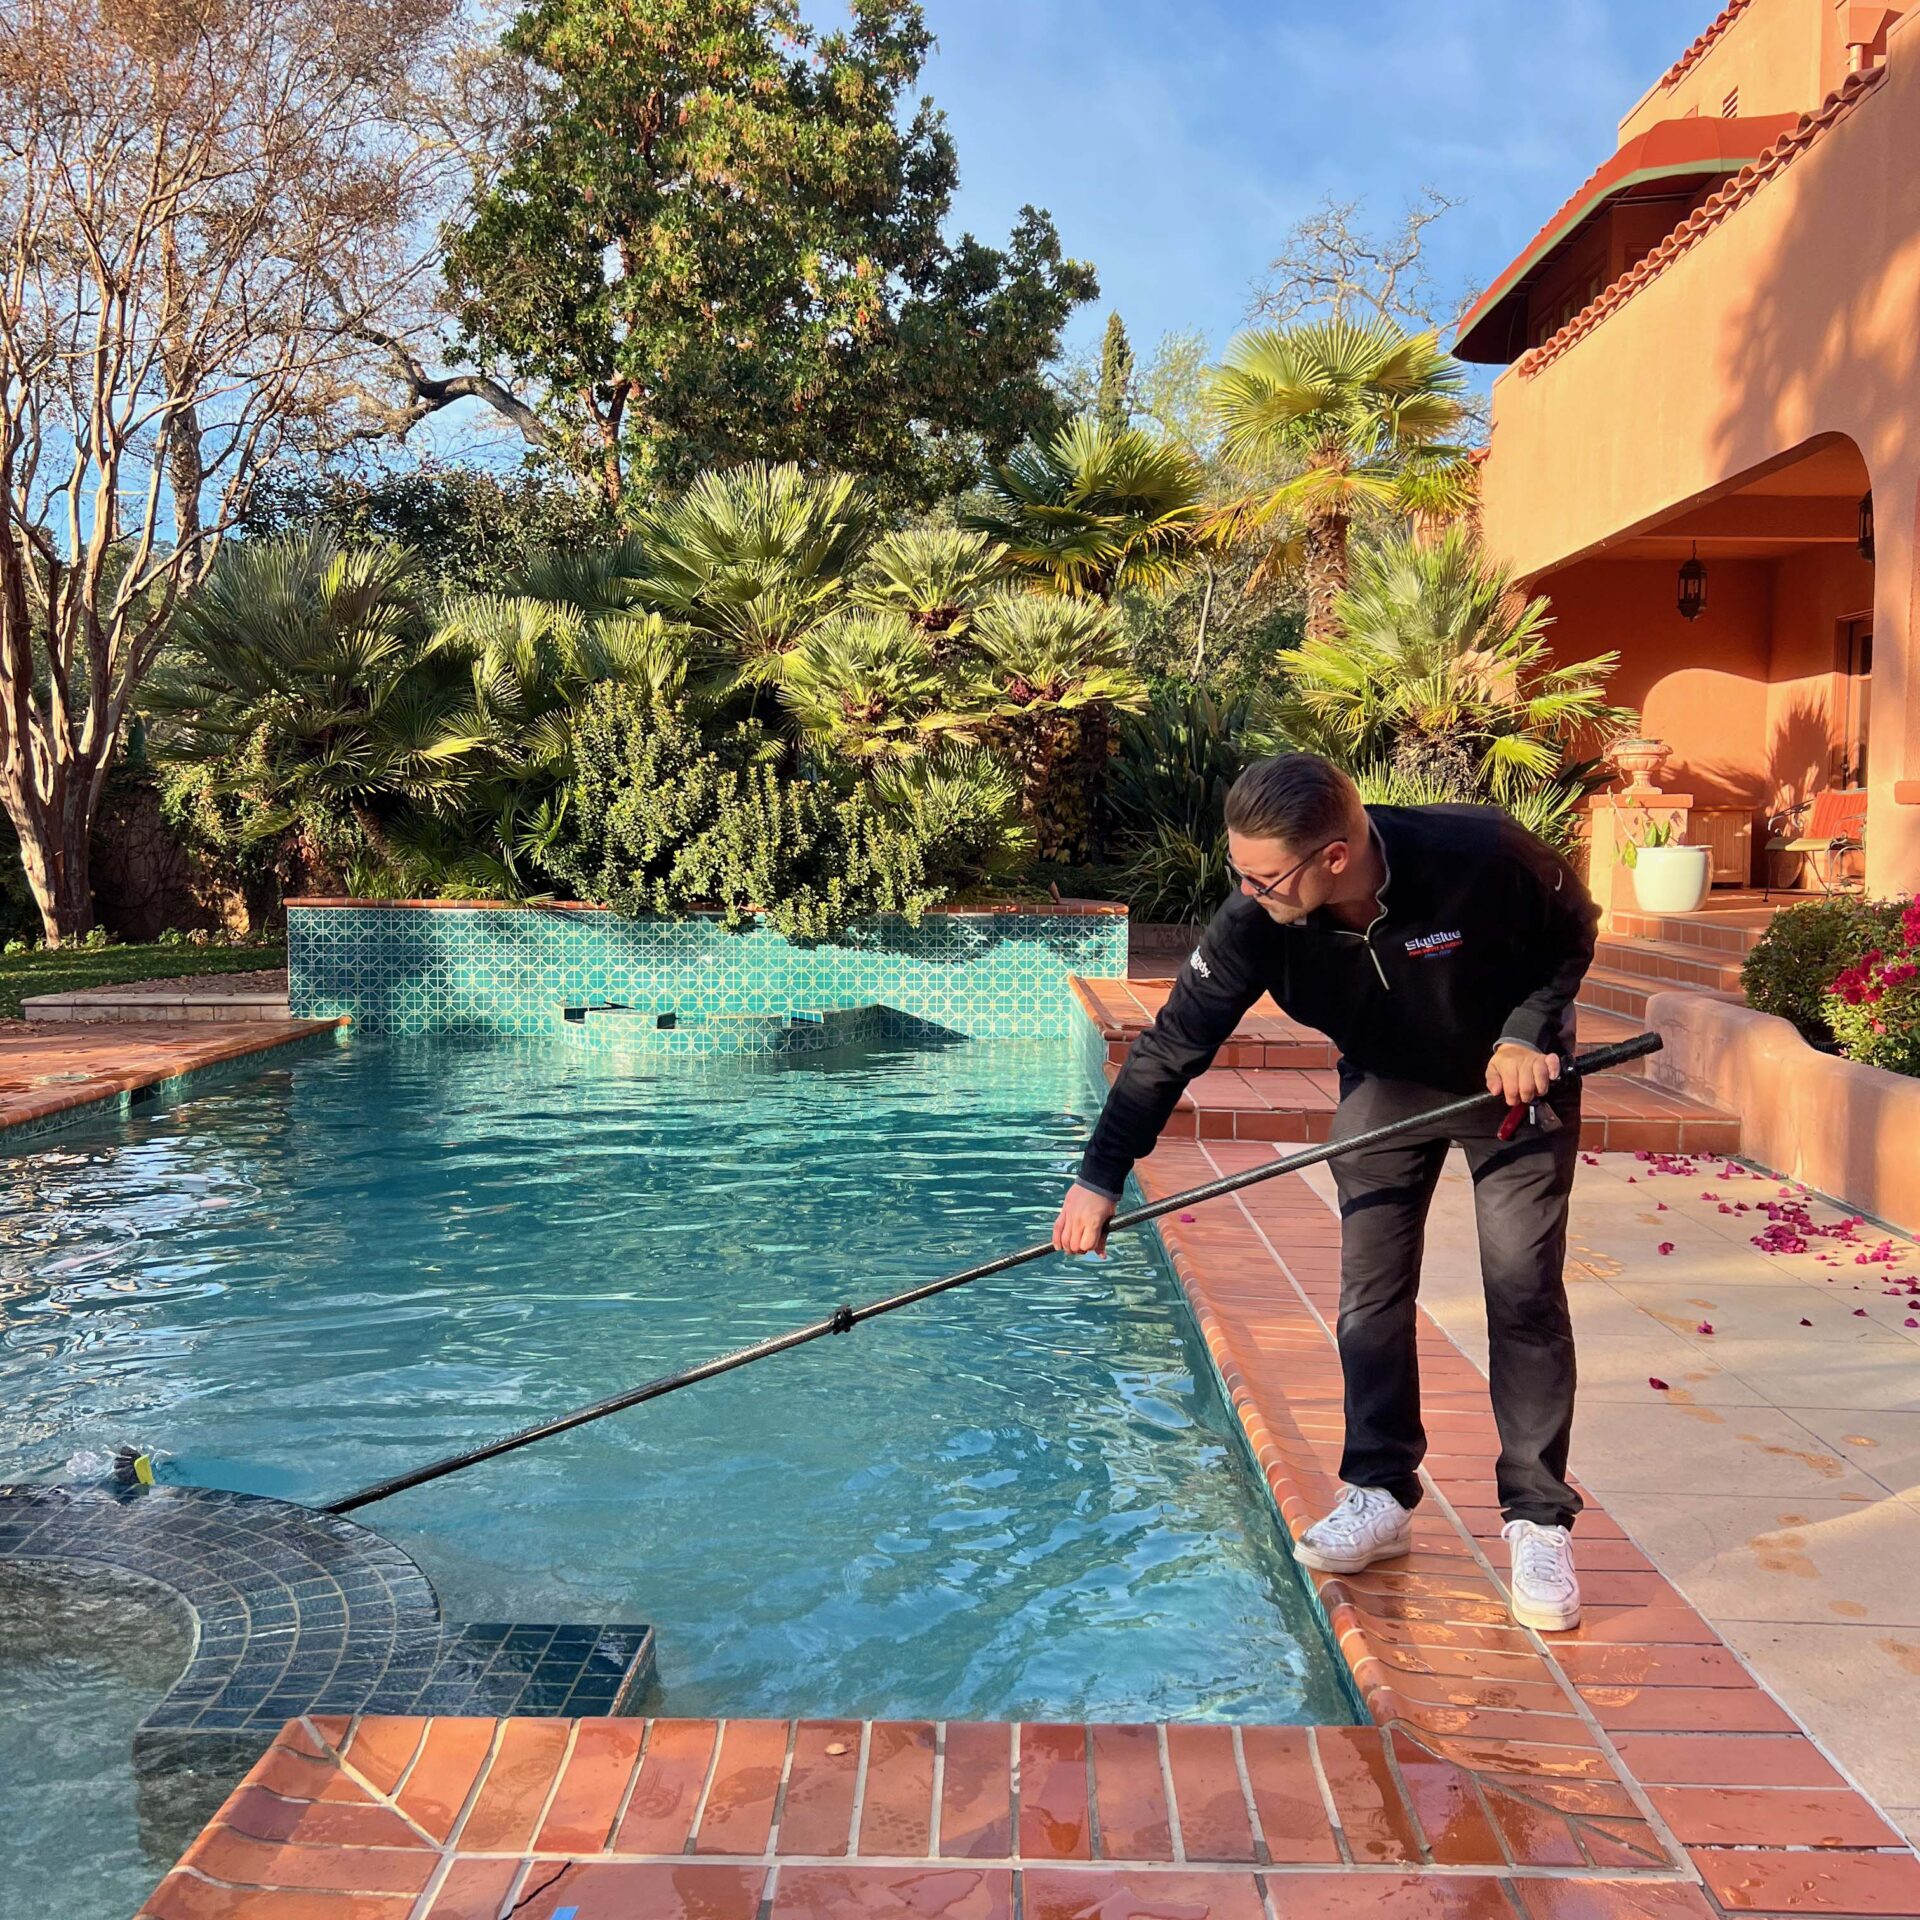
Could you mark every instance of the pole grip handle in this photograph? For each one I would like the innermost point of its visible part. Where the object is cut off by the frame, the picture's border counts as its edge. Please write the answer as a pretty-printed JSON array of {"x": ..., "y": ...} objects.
[{"x": 1618, "y": 1054}]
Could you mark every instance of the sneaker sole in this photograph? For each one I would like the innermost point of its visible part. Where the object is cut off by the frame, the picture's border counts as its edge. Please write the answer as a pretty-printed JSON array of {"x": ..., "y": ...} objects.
[
  {"x": 1545, "y": 1619},
  {"x": 1348, "y": 1563}
]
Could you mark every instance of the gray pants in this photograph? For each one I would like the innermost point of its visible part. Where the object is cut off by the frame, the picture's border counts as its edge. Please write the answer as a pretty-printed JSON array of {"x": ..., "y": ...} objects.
[{"x": 1520, "y": 1192}]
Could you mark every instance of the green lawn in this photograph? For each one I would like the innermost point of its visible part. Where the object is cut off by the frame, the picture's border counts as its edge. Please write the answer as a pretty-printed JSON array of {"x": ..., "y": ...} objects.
[{"x": 69, "y": 969}]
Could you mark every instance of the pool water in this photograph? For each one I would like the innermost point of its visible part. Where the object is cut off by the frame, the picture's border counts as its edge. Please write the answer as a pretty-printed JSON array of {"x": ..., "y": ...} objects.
[{"x": 1022, "y": 1499}]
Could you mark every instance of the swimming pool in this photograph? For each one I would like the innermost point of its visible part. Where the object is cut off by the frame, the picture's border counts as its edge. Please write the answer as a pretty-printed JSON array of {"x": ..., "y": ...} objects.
[{"x": 1020, "y": 1500}]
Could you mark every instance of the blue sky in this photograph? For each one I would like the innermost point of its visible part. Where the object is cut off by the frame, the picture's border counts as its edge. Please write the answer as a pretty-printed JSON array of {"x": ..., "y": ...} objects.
[{"x": 1176, "y": 141}]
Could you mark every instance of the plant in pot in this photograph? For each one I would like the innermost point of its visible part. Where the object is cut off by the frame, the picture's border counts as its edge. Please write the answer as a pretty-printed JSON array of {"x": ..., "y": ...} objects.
[{"x": 1667, "y": 876}]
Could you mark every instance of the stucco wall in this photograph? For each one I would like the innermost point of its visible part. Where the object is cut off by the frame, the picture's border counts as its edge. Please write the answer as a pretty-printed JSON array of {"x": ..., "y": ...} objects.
[
  {"x": 1772, "y": 54},
  {"x": 1701, "y": 687},
  {"x": 1792, "y": 319}
]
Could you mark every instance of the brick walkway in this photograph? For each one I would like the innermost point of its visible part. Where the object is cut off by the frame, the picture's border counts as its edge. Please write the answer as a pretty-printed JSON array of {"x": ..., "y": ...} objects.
[
  {"x": 47, "y": 1068},
  {"x": 1634, "y": 1768}
]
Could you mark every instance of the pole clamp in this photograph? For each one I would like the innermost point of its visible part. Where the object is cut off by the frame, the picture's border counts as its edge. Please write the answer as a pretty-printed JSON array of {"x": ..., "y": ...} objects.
[{"x": 842, "y": 1321}]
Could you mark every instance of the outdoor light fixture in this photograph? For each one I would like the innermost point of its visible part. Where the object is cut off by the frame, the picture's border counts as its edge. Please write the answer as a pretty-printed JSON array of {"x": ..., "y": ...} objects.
[
  {"x": 1693, "y": 586},
  {"x": 1866, "y": 525}
]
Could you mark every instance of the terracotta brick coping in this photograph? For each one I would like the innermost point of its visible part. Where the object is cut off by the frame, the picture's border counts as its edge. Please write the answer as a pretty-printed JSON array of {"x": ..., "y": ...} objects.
[
  {"x": 50, "y": 1070},
  {"x": 1069, "y": 907}
]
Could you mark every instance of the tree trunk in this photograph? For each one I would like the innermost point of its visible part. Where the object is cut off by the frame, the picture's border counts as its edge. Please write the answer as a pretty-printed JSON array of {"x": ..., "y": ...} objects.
[
  {"x": 1206, "y": 613},
  {"x": 55, "y": 852},
  {"x": 1326, "y": 572}
]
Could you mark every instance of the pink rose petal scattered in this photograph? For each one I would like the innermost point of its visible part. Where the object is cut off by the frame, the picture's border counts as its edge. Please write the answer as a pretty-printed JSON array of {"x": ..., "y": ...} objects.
[
  {"x": 1859, "y": 1313},
  {"x": 1806, "y": 1323},
  {"x": 1666, "y": 1246},
  {"x": 1910, "y": 1321},
  {"x": 1659, "y": 1386},
  {"x": 1185, "y": 1217},
  {"x": 1705, "y": 1326}
]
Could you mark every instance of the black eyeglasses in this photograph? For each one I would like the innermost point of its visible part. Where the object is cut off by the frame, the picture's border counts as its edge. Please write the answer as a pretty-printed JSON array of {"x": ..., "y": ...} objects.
[{"x": 1262, "y": 888}]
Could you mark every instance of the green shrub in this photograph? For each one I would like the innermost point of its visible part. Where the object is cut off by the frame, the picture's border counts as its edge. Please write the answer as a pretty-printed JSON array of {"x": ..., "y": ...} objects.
[
  {"x": 659, "y": 820},
  {"x": 1176, "y": 877},
  {"x": 1806, "y": 949},
  {"x": 1176, "y": 762}
]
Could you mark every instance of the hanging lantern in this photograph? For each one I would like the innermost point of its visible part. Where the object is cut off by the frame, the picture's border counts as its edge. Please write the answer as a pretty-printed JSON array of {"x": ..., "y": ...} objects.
[
  {"x": 1693, "y": 587},
  {"x": 1866, "y": 525}
]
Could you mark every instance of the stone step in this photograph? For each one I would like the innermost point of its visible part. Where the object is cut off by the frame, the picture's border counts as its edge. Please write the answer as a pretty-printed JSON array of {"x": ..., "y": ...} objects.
[
  {"x": 1274, "y": 1080},
  {"x": 163, "y": 1009},
  {"x": 1600, "y": 1028},
  {"x": 1620, "y": 1114},
  {"x": 1626, "y": 994},
  {"x": 1670, "y": 964},
  {"x": 1712, "y": 933}
]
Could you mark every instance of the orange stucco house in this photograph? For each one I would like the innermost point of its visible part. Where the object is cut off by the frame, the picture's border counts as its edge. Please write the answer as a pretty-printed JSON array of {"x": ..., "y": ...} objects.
[{"x": 1713, "y": 350}]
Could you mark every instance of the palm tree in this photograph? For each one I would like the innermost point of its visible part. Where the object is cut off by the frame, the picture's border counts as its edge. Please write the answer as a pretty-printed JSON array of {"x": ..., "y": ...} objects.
[
  {"x": 1057, "y": 672},
  {"x": 1097, "y": 510},
  {"x": 1359, "y": 418},
  {"x": 755, "y": 557},
  {"x": 936, "y": 576},
  {"x": 298, "y": 676},
  {"x": 865, "y": 686},
  {"x": 1442, "y": 680}
]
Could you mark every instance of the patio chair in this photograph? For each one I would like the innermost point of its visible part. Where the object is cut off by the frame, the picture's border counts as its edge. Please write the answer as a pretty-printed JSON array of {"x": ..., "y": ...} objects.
[{"x": 1830, "y": 824}]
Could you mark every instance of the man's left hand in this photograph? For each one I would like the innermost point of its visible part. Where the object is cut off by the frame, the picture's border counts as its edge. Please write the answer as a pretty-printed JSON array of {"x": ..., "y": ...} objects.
[{"x": 1521, "y": 1075}]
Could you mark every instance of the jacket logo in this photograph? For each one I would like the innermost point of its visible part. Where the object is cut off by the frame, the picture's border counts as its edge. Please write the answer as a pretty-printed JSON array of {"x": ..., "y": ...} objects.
[
  {"x": 1200, "y": 966},
  {"x": 1430, "y": 945}
]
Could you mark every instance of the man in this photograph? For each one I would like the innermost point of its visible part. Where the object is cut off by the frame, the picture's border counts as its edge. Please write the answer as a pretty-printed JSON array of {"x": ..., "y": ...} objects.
[{"x": 1440, "y": 949}]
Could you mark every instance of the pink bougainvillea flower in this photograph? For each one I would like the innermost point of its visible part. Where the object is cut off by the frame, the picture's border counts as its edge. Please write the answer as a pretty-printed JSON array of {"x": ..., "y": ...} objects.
[
  {"x": 1911, "y": 1321},
  {"x": 1659, "y": 1386},
  {"x": 1806, "y": 1323},
  {"x": 1666, "y": 1246},
  {"x": 1185, "y": 1217},
  {"x": 1705, "y": 1326},
  {"x": 1859, "y": 1313}
]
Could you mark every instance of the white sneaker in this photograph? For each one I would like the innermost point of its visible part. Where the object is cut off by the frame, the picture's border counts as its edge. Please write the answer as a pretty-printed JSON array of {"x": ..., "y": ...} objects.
[
  {"x": 1369, "y": 1524},
  {"x": 1545, "y": 1590}
]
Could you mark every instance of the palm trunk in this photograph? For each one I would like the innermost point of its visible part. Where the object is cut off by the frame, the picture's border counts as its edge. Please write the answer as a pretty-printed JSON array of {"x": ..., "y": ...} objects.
[{"x": 1325, "y": 572}]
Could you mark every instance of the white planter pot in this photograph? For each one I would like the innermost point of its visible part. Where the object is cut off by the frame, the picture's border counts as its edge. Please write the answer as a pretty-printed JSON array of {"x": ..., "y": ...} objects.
[{"x": 1672, "y": 879}]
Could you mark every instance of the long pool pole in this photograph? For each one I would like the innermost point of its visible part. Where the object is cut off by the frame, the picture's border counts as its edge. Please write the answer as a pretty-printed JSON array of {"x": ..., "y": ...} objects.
[{"x": 845, "y": 1319}]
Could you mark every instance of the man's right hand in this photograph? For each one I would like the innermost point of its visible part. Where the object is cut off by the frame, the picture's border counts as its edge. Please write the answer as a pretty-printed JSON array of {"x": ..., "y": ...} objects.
[{"x": 1082, "y": 1225}]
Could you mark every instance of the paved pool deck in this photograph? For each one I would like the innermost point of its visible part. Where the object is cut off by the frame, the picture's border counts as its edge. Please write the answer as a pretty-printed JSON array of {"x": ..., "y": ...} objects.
[
  {"x": 49, "y": 1069},
  {"x": 1635, "y": 1767}
]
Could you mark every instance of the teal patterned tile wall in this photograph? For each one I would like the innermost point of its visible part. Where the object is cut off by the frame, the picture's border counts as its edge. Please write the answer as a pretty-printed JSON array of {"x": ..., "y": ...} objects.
[{"x": 403, "y": 969}]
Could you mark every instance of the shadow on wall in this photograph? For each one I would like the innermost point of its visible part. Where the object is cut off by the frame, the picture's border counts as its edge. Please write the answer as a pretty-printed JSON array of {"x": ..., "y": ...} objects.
[{"x": 1799, "y": 763}]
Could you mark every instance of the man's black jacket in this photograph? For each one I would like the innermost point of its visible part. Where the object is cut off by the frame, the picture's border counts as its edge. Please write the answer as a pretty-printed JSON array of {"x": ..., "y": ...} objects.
[{"x": 1484, "y": 935}]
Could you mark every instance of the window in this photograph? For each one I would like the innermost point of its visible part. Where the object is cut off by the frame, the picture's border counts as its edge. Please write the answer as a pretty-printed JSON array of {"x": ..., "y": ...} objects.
[{"x": 1730, "y": 106}]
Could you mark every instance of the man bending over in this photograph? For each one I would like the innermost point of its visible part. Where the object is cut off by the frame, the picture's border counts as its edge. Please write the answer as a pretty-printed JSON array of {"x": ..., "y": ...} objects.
[{"x": 1440, "y": 949}]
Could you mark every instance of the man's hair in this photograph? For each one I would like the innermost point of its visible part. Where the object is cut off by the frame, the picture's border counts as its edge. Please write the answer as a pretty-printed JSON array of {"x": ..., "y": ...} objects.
[{"x": 1297, "y": 798}]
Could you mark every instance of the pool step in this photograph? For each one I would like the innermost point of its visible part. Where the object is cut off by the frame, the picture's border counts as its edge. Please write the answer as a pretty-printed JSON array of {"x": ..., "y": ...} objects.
[{"x": 669, "y": 1030}]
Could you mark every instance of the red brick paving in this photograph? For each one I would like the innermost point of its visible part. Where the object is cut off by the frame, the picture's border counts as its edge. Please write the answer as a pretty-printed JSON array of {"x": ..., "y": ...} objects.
[
  {"x": 1274, "y": 1081},
  {"x": 47, "y": 1067},
  {"x": 1632, "y": 1770}
]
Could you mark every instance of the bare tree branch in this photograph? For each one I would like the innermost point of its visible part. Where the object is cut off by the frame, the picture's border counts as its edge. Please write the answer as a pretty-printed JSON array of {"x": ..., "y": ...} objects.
[
  {"x": 214, "y": 224},
  {"x": 1332, "y": 266},
  {"x": 428, "y": 393}
]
